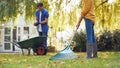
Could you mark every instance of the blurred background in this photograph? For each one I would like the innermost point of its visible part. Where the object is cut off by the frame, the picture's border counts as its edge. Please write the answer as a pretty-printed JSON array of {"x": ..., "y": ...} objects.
[{"x": 17, "y": 18}]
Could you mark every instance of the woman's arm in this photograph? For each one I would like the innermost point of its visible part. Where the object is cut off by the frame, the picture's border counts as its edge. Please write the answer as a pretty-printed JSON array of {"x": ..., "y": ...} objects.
[{"x": 79, "y": 21}]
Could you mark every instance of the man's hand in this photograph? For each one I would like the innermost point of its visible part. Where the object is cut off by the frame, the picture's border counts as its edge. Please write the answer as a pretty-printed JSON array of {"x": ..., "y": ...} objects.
[
  {"x": 42, "y": 22},
  {"x": 36, "y": 24},
  {"x": 45, "y": 21}
]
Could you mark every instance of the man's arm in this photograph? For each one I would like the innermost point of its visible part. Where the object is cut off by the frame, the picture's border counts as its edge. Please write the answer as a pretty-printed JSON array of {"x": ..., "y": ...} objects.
[
  {"x": 36, "y": 19},
  {"x": 46, "y": 18},
  {"x": 45, "y": 21}
]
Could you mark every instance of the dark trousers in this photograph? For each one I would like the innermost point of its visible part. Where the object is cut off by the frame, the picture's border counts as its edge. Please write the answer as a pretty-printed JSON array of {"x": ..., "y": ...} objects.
[{"x": 44, "y": 43}]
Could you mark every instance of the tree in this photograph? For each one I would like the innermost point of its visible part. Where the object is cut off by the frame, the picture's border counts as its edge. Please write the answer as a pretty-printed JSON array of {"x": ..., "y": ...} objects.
[
  {"x": 106, "y": 18},
  {"x": 62, "y": 12},
  {"x": 9, "y": 9}
]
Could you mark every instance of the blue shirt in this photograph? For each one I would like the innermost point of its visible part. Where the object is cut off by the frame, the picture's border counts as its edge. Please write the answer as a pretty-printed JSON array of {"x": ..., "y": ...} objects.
[{"x": 44, "y": 15}]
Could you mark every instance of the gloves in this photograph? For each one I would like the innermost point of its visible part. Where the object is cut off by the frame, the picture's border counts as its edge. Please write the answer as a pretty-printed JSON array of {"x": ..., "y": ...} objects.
[{"x": 36, "y": 23}]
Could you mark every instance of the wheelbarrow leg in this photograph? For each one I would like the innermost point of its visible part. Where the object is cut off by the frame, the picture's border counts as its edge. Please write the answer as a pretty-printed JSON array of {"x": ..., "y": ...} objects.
[
  {"x": 29, "y": 51},
  {"x": 22, "y": 52},
  {"x": 34, "y": 51}
]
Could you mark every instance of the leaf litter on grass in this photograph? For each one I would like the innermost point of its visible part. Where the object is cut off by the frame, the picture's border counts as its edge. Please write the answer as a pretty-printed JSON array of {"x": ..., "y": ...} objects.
[{"x": 105, "y": 60}]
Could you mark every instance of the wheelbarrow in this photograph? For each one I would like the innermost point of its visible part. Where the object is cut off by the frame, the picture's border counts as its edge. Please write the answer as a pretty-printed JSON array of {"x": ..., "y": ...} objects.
[{"x": 32, "y": 43}]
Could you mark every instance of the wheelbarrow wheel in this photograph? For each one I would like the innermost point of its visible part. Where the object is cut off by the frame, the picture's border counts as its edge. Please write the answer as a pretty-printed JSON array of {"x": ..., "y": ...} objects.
[{"x": 41, "y": 50}]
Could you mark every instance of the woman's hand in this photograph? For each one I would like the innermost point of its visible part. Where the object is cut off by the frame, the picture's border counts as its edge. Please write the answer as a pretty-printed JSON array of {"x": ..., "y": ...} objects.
[
  {"x": 78, "y": 24},
  {"x": 79, "y": 21}
]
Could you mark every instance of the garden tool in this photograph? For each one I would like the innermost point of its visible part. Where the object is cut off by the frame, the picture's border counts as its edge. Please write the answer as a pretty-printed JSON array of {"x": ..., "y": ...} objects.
[{"x": 66, "y": 53}]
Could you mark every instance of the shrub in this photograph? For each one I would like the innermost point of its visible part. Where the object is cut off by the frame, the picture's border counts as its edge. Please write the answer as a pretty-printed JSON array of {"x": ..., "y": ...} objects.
[
  {"x": 116, "y": 40},
  {"x": 104, "y": 41},
  {"x": 109, "y": 41},
  {"x": 80, "y": 40}
]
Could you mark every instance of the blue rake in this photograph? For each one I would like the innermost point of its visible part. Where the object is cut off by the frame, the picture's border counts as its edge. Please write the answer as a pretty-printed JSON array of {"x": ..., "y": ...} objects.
[{"x": 65, "y": 54}]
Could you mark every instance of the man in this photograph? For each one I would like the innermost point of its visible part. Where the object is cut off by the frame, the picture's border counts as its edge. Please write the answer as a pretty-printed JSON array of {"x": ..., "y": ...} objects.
[
  {"x": 89, "y": 16},
  {"x": 42, "y": 22}
]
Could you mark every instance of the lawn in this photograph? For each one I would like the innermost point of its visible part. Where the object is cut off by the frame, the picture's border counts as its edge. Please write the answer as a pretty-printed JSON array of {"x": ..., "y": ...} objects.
[{"x": 105, "y": 60}]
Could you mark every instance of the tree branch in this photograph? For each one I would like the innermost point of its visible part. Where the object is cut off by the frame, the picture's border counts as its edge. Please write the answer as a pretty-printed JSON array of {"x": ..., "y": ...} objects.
[{"x": 101, "y": 4}]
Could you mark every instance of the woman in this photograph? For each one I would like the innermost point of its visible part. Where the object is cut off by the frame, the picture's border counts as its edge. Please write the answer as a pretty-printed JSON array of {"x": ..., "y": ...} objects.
[{"x": 89, "y": 16}]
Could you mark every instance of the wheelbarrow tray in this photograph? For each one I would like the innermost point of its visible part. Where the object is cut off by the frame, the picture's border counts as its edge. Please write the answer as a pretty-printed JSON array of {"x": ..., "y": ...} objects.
[{"x": 31, "y": 43}]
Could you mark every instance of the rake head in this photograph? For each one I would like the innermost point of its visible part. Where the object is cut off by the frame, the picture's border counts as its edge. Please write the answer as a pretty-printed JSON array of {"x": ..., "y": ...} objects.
[{"x": 65, "y": 54}]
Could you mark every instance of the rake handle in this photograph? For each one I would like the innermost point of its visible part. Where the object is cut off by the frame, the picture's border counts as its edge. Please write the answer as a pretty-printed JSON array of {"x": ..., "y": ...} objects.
[{"x": 73, "y": 36}]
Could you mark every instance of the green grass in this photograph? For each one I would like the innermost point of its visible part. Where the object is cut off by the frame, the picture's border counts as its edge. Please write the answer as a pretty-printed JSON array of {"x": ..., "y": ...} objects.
[{"x": 105, "y": 60}]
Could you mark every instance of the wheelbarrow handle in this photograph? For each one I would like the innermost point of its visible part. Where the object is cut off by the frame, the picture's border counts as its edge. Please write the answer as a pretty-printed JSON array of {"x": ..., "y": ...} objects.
[{"x": 14, "y": 42}]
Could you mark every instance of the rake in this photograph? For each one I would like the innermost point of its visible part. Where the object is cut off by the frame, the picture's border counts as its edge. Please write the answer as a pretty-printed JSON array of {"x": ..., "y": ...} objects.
[{"x": 65, "y": 54}]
